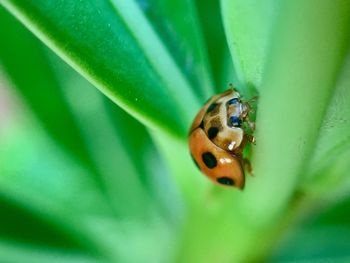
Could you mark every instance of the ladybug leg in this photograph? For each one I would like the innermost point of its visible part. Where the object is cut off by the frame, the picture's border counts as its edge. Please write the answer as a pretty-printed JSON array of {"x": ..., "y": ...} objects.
[
  {"x": 251, "y": 125},
  {"x": 248, "y": 166},
  {"x": 254, "y": 99},
  {"x": 250, "y": 138},
  {"x": 246, "y": 138},
  {"x": 231, "y": 87},
  {"x": 239, "y": 150}
]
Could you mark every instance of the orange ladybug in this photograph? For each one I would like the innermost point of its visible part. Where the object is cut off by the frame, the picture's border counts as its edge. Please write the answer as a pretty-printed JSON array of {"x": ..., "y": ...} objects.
[{"x": 218, "y": 136}]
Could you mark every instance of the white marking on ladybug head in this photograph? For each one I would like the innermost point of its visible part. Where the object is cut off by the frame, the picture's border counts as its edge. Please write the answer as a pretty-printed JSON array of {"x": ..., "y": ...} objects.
[{"x": 231, "y": 146}]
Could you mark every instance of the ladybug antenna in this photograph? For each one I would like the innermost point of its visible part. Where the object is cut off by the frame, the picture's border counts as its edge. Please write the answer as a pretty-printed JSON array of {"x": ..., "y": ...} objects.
[{"x": 230, "y": 85}]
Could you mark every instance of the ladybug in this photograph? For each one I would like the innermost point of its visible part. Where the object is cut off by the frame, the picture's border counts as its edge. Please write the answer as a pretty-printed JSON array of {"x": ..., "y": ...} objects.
[{"x": 218, "y": 136}]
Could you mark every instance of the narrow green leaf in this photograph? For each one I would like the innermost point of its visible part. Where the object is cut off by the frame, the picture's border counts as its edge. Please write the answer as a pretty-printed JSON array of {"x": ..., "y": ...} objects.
[
  {"x": 247, "y": 25},
  {"x": 298, "y": 85},
  {"x": 35, "y": 177},
  {"x": 106, "y": 144},
  {"x": 323, "y": 237},
  {"x": 120, "y": 146},
  {"x": 119, "y": 52},
  {"x": 187, "y": 177},
  {"x": 22, "y": 225},
  {"x": 149, "y": 164},
  {"x": 60, "y": 101},
  {"x": 25, "y": 63},
  {"x": 219, "y": 55},
  {"x": 307, "y": 51},
  {"x": 316, "y": 244},
  {"x": 181, "y": 33},
  {"x": 328, "y": 170},
  {"x": 13, "y": 252},
  {"x": 47, "y": 187},
  {"x": 44, "y": 85},
  {"x": 38, "y": 177}
]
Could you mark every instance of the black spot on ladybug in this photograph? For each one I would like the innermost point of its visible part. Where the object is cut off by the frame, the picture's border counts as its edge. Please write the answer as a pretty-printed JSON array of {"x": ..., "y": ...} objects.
[
  {"x": 201, "y": 125},
  {"x": 211, "y": 107},
  {"x": 209, "y": 160},
  {"x": 215, "y": 111},
  {"x": 225, "y": 181},
  {"x": 195, "y": 162},
  {"x": 212, "y": 132}
]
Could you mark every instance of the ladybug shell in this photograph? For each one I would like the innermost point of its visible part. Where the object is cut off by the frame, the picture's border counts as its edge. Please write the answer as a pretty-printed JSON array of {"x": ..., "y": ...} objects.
[
  {"x": 200, "y": 115},
  {"x": 220, "y": 166},
  {"x": 213, "y": 119},
  {"x": 214, "y": 144}
]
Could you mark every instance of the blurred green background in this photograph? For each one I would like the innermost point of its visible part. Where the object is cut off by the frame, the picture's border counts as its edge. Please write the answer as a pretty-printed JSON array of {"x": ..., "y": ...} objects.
[{"x": 96, "y": 98}]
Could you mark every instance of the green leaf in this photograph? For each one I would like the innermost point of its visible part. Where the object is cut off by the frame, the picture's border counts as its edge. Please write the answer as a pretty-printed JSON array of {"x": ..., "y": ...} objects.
[
  {"x": 56, "y": 190},
  {"x": 180, "y": 32},
  {"x": 328, "y": 170},
  {"x": 46, "y": 187},
  {"x": 25, "y": 63},
  {"x": 45, "y": 85},
  {"x": 39, "y": 177},
  {"x": 302, "y": 66},
  {"x": 187, "y": 177},
  {"x": 248, "y": 24},
  {"x": 13, "y": 253},
  {"x": 123, "y": 150},
  {"x": 149, "y": 164},
  {"x": 219, "y": 57},
  {"x": 119, "y": 52},
  {"x": 22, "y": 225},
  {"x": 322, "y": 237},
  {"x": 105, "y": 146}
]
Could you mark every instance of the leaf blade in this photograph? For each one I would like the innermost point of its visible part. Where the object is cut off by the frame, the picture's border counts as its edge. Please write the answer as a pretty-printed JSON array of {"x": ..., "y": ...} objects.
[
  {"x": 247, "y": 26},
  {"x": 30, "y": 72},
  {"x": 293, "y": 72},
  {"x": 181, "y": 34},
  {"x": 122, "y": 65}
]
